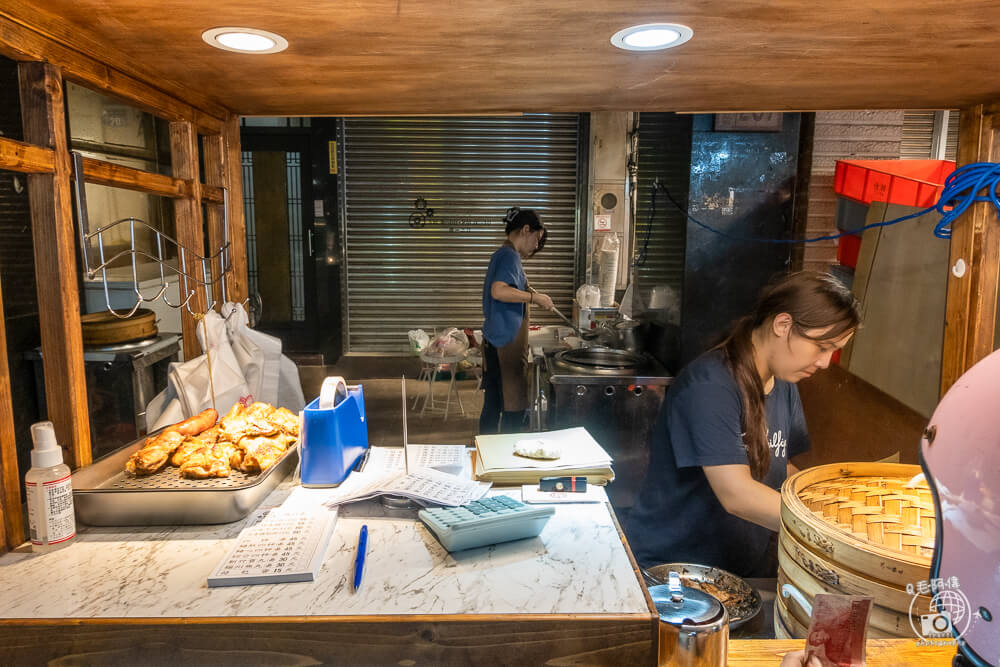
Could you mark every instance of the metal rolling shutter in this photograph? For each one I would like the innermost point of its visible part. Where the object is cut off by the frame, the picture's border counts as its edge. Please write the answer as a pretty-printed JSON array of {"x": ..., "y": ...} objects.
[
  {"x": 664, "y": 153},
  {"x": 918, "y": 135},
  {"x": 951, "y": 150},
  {"x": 469, "y": 171}
]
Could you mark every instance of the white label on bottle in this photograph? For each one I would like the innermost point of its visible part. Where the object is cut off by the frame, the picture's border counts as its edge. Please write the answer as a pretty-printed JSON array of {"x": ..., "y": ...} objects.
[{"x": 50, "y": 511}]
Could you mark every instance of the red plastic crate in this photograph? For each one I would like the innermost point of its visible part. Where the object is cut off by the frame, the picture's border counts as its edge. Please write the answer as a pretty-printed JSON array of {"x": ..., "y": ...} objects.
[
  {"x": 906, "y": 182},
  {"x": 848, "y": 248}
]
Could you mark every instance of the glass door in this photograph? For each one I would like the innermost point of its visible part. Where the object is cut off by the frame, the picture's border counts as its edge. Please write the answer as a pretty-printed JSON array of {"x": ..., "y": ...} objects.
[{"x": 276, "y": 197}]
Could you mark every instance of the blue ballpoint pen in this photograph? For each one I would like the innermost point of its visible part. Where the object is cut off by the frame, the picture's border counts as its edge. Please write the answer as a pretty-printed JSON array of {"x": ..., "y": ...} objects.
[{"x": 359, "y": 558}]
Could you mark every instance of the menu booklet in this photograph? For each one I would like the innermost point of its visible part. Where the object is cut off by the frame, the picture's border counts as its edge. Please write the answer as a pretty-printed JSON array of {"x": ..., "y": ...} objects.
[{"x": 578, "y": 454}]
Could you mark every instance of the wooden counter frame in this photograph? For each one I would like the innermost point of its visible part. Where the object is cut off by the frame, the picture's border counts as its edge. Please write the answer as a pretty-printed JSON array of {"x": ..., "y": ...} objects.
[
  {"x": 527, "y": 639},
  {"x": 44, "y": 61}
]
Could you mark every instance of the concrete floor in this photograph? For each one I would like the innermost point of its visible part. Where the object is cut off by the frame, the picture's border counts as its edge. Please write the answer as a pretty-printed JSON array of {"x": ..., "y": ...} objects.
[{"x": 380, "y": 377}]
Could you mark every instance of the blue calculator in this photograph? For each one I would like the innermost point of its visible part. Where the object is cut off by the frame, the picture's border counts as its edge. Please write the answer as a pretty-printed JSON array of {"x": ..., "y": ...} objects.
[{"x": 488, "y": 521}]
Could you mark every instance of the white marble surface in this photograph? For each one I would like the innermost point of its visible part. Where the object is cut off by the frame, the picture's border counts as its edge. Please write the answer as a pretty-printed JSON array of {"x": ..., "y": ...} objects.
[{"x": 578, "y": 565}]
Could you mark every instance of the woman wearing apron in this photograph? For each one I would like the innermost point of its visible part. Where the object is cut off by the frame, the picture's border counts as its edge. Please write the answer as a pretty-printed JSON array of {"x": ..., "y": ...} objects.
[{"x": 506, "y": 309}]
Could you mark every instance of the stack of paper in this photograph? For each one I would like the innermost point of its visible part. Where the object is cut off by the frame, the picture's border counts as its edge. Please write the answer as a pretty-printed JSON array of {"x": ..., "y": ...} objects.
[
  {"x": 579, "y": 455},
  {"x": 277, "y": 546},
  {"x": 423, "y": 485}
]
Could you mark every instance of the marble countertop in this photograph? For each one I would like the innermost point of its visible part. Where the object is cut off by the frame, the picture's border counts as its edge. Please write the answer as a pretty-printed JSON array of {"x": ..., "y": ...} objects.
[{"x": 578, "y": 565}]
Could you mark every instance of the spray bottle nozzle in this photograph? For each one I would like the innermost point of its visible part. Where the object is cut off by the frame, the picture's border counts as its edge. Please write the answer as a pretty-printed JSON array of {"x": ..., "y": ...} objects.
[{"x": 47, "y": 452}]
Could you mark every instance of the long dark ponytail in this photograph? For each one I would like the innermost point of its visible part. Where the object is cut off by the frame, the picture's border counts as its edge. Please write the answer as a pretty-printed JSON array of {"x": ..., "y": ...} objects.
[{"x": 814, "y": 301}]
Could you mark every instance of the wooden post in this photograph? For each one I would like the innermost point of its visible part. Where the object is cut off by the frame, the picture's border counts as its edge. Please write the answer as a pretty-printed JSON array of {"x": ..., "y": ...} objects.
[
  {"x": 55, "y": 261},
  {"x": 233, "y": 174},
  {"x": 11, "y": 523},
  {"x": 971, "y": 312},
  {"x": 214, "y": 159},
  {"x": 190, "y": 230}
]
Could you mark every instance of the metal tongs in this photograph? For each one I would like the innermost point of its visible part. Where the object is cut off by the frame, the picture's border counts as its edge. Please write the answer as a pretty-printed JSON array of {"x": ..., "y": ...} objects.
[{"x": 563, "y": 317}]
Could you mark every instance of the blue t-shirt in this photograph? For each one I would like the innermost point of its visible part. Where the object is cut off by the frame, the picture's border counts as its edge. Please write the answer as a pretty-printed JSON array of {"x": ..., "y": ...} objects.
[
  {"x": 502, "y": 320},
  {"x": 678, "y": 518}
]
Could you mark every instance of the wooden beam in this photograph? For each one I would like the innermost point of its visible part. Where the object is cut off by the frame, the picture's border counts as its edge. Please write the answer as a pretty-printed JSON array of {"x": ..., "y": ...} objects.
[
  {"x": 30, "y": 159},
  {"x": 190, "y": 230},
  {"x": 100, "y": 172},
  {"x": 119, "y": 176},
  {"x": 213, "y": 159},
  {"x": 232, "y": 167},
  {"x": 971, "y": 311},
  {"x": 55, "y": 261},
  {"x": 21, "y": 42},
  {"x": 25, "y": 158},
  {"x": 11, "y": 522}
]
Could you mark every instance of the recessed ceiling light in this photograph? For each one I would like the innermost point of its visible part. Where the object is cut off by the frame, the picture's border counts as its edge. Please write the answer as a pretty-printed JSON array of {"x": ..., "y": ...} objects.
[
  {"x": 652, "y": 36},
  {"x": 245, "y": 40}
]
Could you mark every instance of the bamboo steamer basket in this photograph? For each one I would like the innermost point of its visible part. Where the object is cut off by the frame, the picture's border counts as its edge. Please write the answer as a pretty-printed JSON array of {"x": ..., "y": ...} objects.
[
  {"x": 780, "y": 629},
  {"x": 107, "y": 329},
  {"x": 856, "y": 528},
  {"x": 796, "y": 621}
]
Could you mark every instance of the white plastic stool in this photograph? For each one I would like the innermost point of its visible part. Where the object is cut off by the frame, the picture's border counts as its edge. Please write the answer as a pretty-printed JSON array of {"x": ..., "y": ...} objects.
[{"x": 434, "y": 364}]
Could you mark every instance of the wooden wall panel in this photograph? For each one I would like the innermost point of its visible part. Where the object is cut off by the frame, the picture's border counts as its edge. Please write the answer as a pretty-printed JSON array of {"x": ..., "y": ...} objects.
[
  {"x": 970, "y": 319},
  {"x": 190, "y": 230},
  {"x": 11, "y": 521},
  {"x": 55, "y": 261}
]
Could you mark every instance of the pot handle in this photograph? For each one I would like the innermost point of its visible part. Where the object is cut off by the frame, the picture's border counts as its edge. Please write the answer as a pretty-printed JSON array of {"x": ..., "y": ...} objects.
[{"x": 789, "y": 590}]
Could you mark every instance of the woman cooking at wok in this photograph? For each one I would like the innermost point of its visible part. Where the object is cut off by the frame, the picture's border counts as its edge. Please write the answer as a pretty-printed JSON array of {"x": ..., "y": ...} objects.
[
  {"x": 729, "y": 425},
  {"x": 506, "y": 309}
]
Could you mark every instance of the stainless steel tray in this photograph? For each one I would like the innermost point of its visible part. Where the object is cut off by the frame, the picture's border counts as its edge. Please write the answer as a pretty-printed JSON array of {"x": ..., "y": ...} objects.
[
  {"x": 743, "y": 601},
  {"x": 104, "y": 495}
]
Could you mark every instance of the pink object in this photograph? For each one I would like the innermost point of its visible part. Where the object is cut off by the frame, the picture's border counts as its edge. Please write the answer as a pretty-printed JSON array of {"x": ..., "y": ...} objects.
[{"x": 960, "y": 451}]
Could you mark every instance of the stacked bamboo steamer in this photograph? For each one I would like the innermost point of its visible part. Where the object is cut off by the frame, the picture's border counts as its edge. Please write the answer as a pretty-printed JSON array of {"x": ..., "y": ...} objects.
[{"x": 858, "y": 529}]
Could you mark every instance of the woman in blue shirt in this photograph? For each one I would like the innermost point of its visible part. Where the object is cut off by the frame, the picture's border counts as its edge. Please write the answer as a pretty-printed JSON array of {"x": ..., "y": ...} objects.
[
  {"x": 506, "y": 309},
  {"x": 729, "y": 424}
]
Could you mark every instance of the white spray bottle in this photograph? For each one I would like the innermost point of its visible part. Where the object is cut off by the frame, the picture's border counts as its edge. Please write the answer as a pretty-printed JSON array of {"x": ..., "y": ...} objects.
[{"x": 49, "y": 490}]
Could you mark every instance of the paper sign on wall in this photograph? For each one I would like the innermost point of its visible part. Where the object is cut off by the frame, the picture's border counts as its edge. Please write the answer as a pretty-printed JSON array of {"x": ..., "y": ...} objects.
[
  {"x": 602, "y": 223},
  {"x": 332, "y": 145}
]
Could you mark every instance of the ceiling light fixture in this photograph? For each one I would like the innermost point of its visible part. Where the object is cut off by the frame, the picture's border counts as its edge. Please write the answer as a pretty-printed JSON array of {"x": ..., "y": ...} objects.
[
  {"x": 245, "y": 40},
  {"x": 652, "y": 36}
]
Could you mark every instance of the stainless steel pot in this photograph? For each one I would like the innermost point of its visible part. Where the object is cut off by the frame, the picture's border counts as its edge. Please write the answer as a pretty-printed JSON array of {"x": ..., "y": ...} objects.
[
  {"x": 694, "y": 626},
  {"x": 631, "y": 335}
]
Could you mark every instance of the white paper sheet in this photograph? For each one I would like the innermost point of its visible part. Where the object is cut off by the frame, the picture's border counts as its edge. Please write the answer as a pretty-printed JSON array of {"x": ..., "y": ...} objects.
[{"x": 451, "y": 457}]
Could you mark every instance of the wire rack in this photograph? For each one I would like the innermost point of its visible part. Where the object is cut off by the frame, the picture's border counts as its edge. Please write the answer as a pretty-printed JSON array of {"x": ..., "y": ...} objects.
[{"x": 194, "y": 271}]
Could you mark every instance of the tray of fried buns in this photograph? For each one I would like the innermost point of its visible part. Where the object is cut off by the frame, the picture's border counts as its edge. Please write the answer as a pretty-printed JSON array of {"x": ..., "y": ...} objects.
[{"x": 203, "y": 470}]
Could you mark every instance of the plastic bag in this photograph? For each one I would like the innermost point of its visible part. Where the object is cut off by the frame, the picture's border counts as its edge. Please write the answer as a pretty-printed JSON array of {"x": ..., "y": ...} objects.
[
  {"x": 290, "y": 386},
  {"x": 258, "y": 354},
  {"x": 451, "y": 343},
  {"x": 588, "y": 296},
  {"x": 418, "y": 340}
]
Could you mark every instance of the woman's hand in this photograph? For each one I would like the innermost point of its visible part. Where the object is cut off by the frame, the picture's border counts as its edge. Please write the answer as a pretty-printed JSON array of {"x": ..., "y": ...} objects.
[
  {"x": 543, "y": 300},
  {"x": 798, "y": 659}
]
